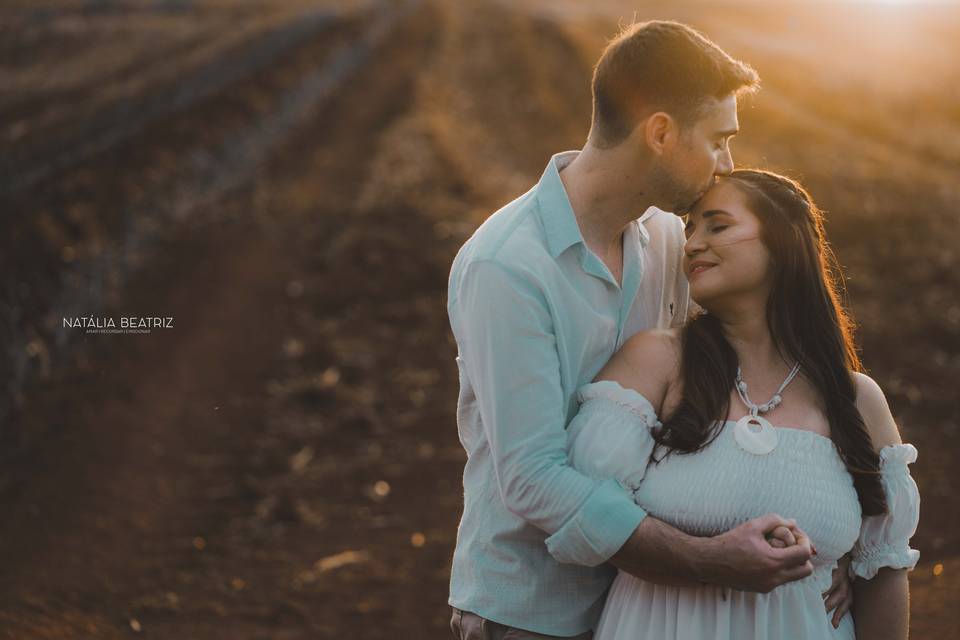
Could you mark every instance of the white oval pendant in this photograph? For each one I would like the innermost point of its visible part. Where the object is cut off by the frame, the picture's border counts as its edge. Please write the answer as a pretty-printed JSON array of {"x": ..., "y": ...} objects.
[{"x": 755, "y": 435}]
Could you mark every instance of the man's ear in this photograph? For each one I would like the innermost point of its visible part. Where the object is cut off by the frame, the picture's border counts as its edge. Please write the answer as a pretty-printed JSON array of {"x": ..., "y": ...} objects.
[{"x": 660, "y": 131}]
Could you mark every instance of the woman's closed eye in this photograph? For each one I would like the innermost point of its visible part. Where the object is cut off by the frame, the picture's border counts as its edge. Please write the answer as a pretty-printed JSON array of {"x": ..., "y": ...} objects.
[{"x": 687, "y": 232}]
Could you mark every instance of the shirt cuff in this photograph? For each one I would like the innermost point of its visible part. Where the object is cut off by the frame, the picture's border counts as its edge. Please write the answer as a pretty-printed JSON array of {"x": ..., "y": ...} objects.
[{"x": 599, "y": 527}]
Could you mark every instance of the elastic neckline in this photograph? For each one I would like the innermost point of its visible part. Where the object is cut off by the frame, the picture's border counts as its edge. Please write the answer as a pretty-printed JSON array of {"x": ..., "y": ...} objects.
[{"x": 903, "y": 451}]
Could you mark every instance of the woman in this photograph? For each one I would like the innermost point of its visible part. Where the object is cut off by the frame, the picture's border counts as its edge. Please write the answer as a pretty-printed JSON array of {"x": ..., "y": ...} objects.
[{"x": 773, "y": 347}]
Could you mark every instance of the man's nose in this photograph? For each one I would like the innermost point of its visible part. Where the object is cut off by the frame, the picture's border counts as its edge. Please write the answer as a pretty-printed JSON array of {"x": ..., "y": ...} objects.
[{"x": 725, "y": 165}]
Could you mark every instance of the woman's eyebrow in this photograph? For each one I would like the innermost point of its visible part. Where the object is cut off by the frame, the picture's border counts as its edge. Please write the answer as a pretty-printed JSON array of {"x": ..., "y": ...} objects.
[{"x": 715, "y": 212}]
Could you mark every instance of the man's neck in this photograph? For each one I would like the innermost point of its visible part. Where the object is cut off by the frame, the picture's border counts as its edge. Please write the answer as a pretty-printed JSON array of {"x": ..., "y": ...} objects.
[{"x": 606, "y": 195}]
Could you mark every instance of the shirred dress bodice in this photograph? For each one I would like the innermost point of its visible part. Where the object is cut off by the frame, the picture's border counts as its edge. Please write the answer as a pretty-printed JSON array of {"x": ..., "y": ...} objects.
[{"x": 722, "y": 486}]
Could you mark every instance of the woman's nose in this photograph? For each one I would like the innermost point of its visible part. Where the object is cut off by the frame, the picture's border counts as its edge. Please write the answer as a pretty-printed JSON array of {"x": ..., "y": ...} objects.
[{"x": 693, "y": 245}]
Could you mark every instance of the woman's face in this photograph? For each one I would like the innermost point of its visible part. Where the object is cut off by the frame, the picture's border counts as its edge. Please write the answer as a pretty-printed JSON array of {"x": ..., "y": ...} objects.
[{"x": 724, "y": 257}]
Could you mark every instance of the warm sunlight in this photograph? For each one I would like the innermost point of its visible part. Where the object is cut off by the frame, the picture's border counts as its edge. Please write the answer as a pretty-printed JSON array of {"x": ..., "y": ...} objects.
[{"x": 375, "y": 319}]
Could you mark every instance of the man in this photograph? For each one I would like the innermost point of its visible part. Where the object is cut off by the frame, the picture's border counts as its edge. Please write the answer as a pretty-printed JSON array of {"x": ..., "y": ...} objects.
[{"x": 539, "y": 299}]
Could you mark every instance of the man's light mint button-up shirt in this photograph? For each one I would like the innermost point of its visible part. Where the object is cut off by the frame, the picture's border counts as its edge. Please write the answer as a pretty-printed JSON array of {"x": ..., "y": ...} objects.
[{"x": 536, "y": 314}]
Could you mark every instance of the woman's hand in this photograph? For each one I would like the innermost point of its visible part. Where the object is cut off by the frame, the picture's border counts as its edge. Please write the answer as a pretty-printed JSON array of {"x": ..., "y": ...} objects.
[
  {"x": 781, "y": 537},
  {"x": 785, "y": 536},
  {"x": 839, "y": 597}
]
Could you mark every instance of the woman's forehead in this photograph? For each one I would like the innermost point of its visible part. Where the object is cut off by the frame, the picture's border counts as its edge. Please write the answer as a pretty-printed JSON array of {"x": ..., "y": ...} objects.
[{"x": 723, "y": 199}]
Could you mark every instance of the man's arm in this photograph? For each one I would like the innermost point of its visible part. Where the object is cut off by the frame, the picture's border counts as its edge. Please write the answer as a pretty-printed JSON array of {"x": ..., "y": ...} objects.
[
  {"x": 507, "y": 342},
  {"x": 741, "y": 558}
]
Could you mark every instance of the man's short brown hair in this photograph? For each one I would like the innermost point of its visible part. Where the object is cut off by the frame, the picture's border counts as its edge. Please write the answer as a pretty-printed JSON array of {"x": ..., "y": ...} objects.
[{"x": 660, "y": 65}]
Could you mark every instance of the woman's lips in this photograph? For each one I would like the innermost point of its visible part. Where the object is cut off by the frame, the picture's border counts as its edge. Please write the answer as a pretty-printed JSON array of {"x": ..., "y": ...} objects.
[{"x": 699, "y": 269}]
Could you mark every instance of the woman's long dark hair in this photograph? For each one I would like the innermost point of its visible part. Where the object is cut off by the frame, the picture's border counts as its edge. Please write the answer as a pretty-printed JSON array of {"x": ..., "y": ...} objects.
[{"x": 808, "y": 324}]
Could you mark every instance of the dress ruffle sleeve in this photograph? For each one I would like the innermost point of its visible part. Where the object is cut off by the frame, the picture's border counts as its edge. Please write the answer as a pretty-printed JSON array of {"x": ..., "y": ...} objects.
[
  {"x": 610, "y": 435},
  {"x": 884, "y": 539}
]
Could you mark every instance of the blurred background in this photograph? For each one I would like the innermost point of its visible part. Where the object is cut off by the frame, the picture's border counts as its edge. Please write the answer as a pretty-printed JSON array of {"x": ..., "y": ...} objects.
[{"x": 288, "y": 182}]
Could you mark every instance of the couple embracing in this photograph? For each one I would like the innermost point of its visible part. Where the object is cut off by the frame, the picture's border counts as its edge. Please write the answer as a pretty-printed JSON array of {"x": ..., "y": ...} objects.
[{"x": 668, "y": 431}]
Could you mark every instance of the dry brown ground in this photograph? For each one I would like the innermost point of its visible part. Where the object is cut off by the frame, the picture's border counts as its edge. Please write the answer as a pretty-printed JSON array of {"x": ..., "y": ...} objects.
[{"x": 284, "y": 463}]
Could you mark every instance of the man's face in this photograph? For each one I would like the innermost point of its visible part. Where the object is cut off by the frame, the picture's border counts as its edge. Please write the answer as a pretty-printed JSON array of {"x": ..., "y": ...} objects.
[{"x": 701, "y": 153}]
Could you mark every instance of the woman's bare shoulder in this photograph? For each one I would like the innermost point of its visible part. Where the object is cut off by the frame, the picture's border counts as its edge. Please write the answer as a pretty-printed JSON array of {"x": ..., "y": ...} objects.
[
  {"x": 647, "y": 362},
  {"x": 873, "y": 407},
  {"x": 656, "y": 345}
]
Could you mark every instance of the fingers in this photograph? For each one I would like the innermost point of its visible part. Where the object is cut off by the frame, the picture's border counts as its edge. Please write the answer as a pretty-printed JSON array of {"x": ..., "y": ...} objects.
[
  {"x": 783, "y": 535},
  {"x": 793, "y": 556},
  {"x": 796, "y": 573},
  {"x": 836, "y": 580},
  {"x": 803, "y": 539},
  {"x": 839, "y": 598},
  {"x": 835, "y": 596},
  {"x": 791, "y": 539},
  {"x": 842, "y": 608},
  {"x": 771, "y": 521}
]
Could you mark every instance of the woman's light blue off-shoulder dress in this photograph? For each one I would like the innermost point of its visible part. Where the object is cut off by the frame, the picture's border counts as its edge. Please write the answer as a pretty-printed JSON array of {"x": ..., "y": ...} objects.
[{"x": 722, "y": 486}]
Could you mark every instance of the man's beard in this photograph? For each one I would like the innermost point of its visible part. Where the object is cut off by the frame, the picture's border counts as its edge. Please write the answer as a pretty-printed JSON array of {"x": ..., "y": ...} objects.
[
  {"x": 686, "y": 202},
  {"x": 677, "y": 196}
]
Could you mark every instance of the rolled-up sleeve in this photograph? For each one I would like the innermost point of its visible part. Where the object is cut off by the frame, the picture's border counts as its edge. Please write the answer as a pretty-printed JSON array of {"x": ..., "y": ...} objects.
[{"x": 508, "y": 345}]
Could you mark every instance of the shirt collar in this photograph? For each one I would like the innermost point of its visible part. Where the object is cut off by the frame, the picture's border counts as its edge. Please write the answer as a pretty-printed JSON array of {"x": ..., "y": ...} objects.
[{"x": 559, "y": 221}]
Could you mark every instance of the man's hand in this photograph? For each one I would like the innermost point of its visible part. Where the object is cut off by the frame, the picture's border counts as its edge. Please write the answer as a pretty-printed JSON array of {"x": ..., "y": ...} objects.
[
  {"x": 742, "y": 558},
  {"x": 756, "y": 555},
  {"x": 839, "y": 597}
]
